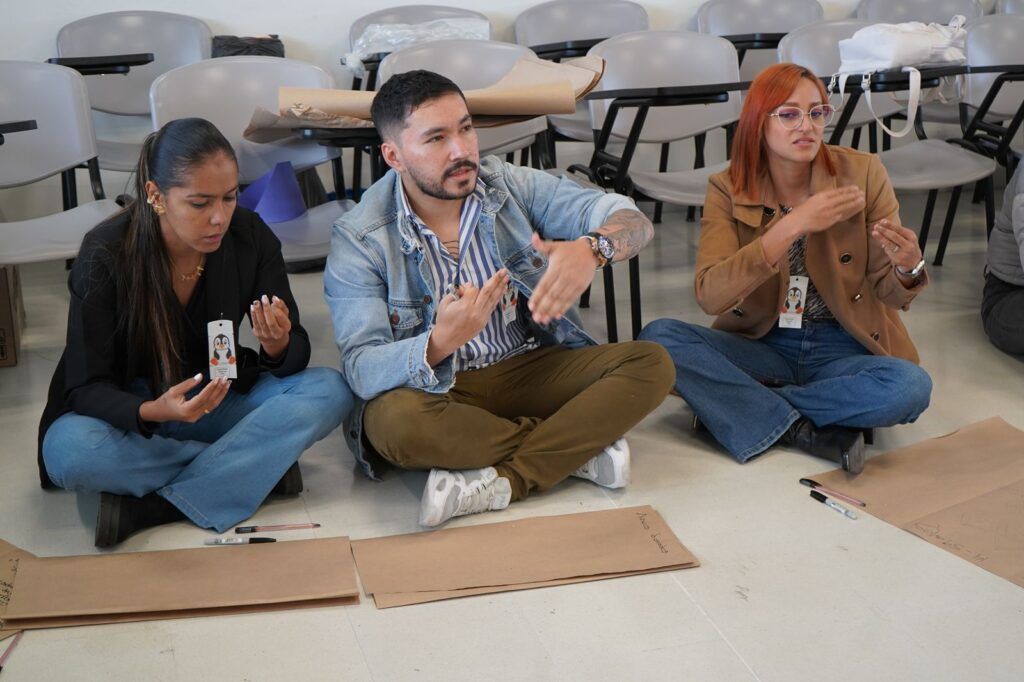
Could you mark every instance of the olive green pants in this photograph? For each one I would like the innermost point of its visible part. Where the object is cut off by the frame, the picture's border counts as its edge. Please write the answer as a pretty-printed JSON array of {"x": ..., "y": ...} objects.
[{"x": 536, "y": 417}]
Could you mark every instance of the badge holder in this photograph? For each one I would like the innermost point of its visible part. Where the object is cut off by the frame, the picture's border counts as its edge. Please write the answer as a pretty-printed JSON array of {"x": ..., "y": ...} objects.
[
  {"x": 792, "y": 314},
  {"x": 223, "y": 359}
]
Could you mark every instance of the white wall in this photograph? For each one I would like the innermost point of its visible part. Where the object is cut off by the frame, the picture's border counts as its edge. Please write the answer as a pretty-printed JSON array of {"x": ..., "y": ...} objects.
[{"x": 312, "y": 30}]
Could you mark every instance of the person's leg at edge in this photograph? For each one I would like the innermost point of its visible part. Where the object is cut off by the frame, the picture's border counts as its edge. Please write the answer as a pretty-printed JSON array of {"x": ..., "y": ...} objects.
[
  {"x": 1002, "y": 314},
  {"x": 722, "y": 377}
]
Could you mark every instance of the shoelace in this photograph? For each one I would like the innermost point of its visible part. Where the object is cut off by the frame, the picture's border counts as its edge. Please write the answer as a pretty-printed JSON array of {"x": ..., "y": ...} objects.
[{"x": 471, "y": 501}]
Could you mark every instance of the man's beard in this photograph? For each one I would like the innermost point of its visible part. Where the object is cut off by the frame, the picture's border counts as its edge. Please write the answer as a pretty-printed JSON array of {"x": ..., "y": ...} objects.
[{"x": 435, "y": 188}]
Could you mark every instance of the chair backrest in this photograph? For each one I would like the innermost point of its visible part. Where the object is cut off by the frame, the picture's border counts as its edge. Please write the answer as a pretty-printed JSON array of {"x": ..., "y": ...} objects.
[
  {"x": 409, "y": 14},
  {"x": 56, "y": 98},
  {"x": 736, "y": 17},
  {"x": 662, "y": 59},
  {"x": 994, "y": 40},
  {"x": 174, "y": 40},
  {"x": 897, "y": 11},
  {"x": 1010, "y": 7},
  {"x": 226, "y": 91},
  {"x": 469, "y": 63},
  {"x": 564, "y": 20}
]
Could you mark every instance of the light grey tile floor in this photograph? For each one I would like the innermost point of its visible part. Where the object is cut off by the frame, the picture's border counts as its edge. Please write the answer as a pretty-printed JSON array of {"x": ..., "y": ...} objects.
[{"x": 787, "y": 590}]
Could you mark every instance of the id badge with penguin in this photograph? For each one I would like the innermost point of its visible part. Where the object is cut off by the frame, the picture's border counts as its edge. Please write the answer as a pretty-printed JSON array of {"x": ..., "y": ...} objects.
[
  {"x": 792, "y": 314},
  {"x": 223, "y": 359},
  {"x": 509, "y": 304}
]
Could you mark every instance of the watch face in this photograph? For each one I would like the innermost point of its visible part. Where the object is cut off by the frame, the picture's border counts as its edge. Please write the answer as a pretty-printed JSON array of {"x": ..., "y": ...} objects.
[{"x": 605, "y": 246}]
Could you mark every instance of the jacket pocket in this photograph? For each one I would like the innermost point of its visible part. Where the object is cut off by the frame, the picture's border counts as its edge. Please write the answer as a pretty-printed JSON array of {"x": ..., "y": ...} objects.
[
  {"x": 526, "y": 263},
  {"x": 404, "y": 315}
]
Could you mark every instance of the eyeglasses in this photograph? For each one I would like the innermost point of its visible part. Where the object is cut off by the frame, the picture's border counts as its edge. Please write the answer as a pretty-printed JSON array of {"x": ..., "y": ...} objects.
[{"x": 793, "y": 117}]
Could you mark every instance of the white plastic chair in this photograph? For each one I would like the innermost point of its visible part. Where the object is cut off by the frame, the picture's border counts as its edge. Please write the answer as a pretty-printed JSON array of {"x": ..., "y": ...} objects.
[
  {"x": 55, "y": 98},
  {"x": 173, "y": 39}
]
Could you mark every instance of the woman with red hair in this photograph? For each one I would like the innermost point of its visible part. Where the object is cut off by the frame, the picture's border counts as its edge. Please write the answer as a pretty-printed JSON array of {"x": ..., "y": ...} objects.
[{"x": 804, "y": 263}]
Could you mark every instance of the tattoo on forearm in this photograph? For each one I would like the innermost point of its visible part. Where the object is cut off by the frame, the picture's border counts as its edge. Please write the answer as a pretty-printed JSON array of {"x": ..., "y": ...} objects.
[{"x": 629, "y": 230}]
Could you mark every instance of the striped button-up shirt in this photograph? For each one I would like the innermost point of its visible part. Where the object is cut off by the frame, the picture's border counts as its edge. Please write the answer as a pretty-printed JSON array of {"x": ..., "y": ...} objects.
[{"x": 474, "y": 264}]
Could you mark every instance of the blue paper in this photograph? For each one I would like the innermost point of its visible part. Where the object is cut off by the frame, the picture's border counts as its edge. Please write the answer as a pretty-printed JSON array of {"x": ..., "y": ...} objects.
[{"x": 276, "y": 196}]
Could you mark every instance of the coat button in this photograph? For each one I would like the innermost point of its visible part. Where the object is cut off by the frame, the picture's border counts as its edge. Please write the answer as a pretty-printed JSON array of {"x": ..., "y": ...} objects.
[
  {"x": 536, "y": 262},
  {"x": 857, "y": 297},
  {"x": 427, "y": 299},
  {"x": 875, "y": 336},
  {"x": 394, "y": 318},
  {"x": 353, "y": 433},
  {"x": 845, "y": 259},
  {"x": 738, "y": 312}
]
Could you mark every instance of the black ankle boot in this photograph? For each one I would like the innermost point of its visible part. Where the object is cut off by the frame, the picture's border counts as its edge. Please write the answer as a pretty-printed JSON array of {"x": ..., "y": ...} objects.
[
  {"x": 121, "y": 515},
  {"x": 290, "y": 483},
  {"x": 834, "y": 443}
]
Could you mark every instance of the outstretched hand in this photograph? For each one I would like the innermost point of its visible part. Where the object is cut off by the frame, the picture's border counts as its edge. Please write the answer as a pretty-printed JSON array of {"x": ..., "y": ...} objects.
[{"x": 570, "y": 271}]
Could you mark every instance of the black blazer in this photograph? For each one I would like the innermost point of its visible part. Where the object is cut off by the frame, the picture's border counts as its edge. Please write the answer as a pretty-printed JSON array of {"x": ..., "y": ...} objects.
[{"x": 98, "y": 364}]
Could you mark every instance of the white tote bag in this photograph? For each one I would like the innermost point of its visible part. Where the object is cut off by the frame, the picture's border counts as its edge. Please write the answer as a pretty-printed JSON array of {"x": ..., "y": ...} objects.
[{"x": 881, "y": 47}]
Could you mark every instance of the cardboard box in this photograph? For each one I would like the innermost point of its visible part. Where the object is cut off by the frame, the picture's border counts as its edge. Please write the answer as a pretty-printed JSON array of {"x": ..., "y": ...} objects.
[{"x": 12, "y": 316}]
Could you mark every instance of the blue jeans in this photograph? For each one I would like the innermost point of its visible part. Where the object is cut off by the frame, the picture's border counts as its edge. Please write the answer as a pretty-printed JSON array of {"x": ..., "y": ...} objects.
[
  {"x": 749, "y": 392},
  {"x": 218, "y": 470}
]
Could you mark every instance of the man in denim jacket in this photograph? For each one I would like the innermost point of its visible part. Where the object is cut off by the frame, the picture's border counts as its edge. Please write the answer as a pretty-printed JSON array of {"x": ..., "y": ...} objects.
[{"x": 453, "y": 310}]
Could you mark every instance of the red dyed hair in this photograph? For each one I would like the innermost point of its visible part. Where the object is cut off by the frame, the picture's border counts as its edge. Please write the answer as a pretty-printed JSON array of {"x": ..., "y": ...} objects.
[{"x": 770, "y": 89}]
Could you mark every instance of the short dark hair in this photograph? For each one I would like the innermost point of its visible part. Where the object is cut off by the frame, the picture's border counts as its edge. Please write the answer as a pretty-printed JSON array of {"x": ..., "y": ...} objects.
[{"x": 402, "y": 94}]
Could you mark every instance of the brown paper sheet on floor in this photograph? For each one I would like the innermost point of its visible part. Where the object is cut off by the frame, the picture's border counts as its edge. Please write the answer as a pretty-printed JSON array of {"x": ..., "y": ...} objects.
[
  {"x": 963, "y": 492},
  {"x": 10, "y": 556},
  {"x": 534, "y": 87},
  {"x": 182, "y": 583},
  {"x": 514, "y": 555}
]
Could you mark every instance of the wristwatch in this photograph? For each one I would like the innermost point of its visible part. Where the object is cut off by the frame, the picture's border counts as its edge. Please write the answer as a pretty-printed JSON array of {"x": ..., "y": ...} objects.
[
  {"x": 602, "y": 247},
  {"x": 916, "y": 272}
]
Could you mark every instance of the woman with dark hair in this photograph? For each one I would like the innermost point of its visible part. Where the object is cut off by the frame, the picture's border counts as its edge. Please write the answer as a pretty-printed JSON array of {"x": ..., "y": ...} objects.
[
  {"x": 137, "y": 410},
  {"x": 804, "y": 262}
]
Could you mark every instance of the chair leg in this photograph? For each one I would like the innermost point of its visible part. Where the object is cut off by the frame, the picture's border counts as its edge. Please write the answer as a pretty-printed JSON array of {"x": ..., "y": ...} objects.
[
  {"x": 585, "y": 298},
  {"x": 990, "y": 205},
  {"x": 662, "y": 167},
  {"x": 357, "y": 173},
  {"x": 873, "y": 137},
  {"x": 510, "y": 157},
  {"x": 869, "y": 436},
  {"x": 855, "y": 142},
  {"x": 954, "y": 199},
  {"x": 979, "y": 192},
  {"x": 634, "y": 295},
  {"x": 338, "y": 171},
  {"x": 609, "y": 305},
  {"x": 524, "y": 156},
  {"x": 691, "y": 213},
  {"x": 886, "y": 138},
  {"x": 926, "y": 221}
]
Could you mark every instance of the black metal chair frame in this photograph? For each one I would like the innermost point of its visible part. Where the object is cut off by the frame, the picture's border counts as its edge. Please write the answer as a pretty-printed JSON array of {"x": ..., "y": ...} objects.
[{"x": 612, "y": 172}]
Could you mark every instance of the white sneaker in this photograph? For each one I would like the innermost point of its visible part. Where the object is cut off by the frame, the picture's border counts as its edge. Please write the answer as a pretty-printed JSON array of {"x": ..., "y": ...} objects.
[
  {"x": 610, "y": 468},
  {"x": 456, "y": 493}
]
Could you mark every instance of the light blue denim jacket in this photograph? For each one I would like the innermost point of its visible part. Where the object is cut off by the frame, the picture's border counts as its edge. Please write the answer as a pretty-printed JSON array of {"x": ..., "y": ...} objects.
[{"x": 380, "y": 291}]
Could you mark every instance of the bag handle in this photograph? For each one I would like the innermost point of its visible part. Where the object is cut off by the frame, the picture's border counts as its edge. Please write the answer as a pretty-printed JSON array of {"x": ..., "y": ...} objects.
[{"x": 865, "y": 86}]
